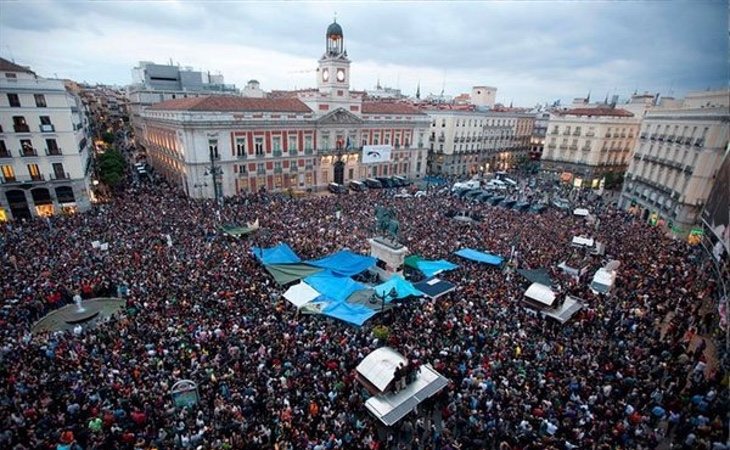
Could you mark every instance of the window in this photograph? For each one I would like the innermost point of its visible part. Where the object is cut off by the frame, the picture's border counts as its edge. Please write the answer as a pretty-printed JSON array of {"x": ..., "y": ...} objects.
[
  {"x": 58, "y": 172},
  {"x": 26, "y": 147},
  {"x": 351, "y": 174},
  {"x": 40, "y": 100},
  {"x": 213, "y": 148},
  {"x": 276, "y": 143},
  {"x": 45, "y": 120},
  {"x": 308, "y": 142},
  {"x": 10, "y": 75},
  {"x": 14, "y": 100},
  {"x": 258, "y": 146},
  {"x": 3, "y": 150},
  {"x": 52, "y": 147},
  {"x": 241, "y": 146},
  {"x": 8, "y": 173},
  {"x": 34, "y": 172},
  {"x": 20, "y": 125},
  {"x": 292, "y": 145}
]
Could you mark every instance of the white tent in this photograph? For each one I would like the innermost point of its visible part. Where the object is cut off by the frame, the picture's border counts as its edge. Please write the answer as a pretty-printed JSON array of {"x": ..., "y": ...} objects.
[
  {"x": 378, "y": 368},
  {"x": 580, "y": 241},
  {"x": 541, "y": 294},
  {"x": 580, "y": 212},
  {"x": 301, "y": 294}
]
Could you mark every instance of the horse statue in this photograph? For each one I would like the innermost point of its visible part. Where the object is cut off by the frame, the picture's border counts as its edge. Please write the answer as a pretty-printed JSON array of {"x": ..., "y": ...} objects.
[{"x": 386, "y": 223}]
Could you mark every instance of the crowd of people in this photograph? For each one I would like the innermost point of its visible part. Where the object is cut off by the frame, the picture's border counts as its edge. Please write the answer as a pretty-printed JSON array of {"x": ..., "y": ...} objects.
[{"x": 630, "y": 371}]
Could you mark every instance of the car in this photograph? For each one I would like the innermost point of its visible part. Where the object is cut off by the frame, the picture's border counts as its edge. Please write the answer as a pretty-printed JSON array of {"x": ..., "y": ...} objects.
[
  {"x": 472, "y": 195},
  {"x": 508, "y": 204},
  {"x": 396, "y": 182},
  {"x": 484, "y": 197},
  {"x": 372, "y": 183},
  {"x": 403, "y": 181},
  {"x": 386, "y": 182},
  {"x": 538, "y": 208},
  {"x": 358, "y": 186},
  {"x": 521, "y": 206},
  {"x": 494, "y": 201},
  {"x": 337, "y": 188},
  {"x": 561, "y": 203}
]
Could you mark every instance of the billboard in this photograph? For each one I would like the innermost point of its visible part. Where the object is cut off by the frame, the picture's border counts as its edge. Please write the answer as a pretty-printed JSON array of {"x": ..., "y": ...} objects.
[{"x": 372, "y": 154}]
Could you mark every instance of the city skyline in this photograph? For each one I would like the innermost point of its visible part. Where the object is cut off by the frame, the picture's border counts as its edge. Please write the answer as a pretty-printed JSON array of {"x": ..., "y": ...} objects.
[{"x": 531, "y": 51}]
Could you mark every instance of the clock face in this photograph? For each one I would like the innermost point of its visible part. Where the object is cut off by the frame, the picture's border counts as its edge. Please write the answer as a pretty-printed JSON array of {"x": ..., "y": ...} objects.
[
  {"x": 340, "y": 74},
  {"x": 325, "y": 74}
]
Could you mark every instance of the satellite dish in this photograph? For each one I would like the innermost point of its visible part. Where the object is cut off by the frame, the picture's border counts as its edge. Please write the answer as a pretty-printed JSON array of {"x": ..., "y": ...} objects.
[{"x": 612, "y": 265}]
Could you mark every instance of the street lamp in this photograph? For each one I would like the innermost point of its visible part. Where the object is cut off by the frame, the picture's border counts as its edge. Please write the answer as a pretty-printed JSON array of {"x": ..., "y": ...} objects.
[{"x": 392, "y": 294}]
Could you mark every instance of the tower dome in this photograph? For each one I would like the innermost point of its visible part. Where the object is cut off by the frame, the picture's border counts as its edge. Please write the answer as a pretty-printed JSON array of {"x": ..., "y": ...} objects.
[
  {"x": 334, "y": 30},
  {"x": 335, "y": 41}
]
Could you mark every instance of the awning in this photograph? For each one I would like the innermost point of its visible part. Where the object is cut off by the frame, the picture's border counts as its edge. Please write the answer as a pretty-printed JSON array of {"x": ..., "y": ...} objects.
[
  {"x": 434, "y": 288},
  {"x": 482, "y": 257},
  {"x": 431, "y": 268},
  {"x": 378, "y": 367},
  {"x": 541, "y": 294},
  {"x": 580, "y": 241},
  {"x": 353, "y": 314},
  {"x": 402, "y": 288},
  {"x": 334, "y": 287},
  {"x": 536, "y": 276},
  {"x": 279, "y": 254},
  {"x": 345, "y": 263},
  {"x": 301, "y": 294},
  {"x": 580, "y": 212},
  {"x": 286, "y": 273}
]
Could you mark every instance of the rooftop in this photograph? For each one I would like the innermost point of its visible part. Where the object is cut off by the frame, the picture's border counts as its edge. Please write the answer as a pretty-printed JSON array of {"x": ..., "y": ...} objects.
[
  {"x": 601, "y": 111},
  {"x": 221, "y": 103},
  {"x": 389, "y": 108},
  {"x": 9, "y": 66}
]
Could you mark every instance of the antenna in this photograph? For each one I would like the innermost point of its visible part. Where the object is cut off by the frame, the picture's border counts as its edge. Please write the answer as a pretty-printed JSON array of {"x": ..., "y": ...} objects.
[{"x": 443, "y": 84}]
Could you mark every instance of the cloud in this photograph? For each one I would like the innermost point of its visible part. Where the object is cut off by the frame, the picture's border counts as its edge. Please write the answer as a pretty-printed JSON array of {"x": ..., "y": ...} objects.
[{"x": 531, "y": 51}]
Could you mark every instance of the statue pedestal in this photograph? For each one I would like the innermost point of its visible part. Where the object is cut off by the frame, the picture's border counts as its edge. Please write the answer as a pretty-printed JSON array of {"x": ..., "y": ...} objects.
[{"x": 390, "y": 256}]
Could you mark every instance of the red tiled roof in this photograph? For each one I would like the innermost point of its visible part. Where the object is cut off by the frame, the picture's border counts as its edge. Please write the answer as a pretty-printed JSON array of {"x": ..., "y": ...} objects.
[
  {"x": 389, "y": 108},
  {"x": 596, "y": 112},
  {"x": 8, "y": 66},
  {"x": 227, "y": 103}
]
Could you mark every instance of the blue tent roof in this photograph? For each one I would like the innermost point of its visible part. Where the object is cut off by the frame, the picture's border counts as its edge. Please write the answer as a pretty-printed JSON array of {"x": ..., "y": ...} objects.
[
  {"x": 344, "y": 263},
  {"x": 431, "y": 268},
  {"x": 350, "y": 313},
  {"x": 402, "y": 287},
  {"x": 332, "y": 286},
  {"x": 478, "y": 256},
  {"x": 279, "y": 254}
]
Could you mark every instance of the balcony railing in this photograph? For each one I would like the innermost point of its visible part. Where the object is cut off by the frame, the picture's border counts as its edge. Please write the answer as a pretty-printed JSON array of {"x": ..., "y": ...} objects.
[
  {"x": 49, "y": 128},
  {"x": 623, "y": 135},
  {"x": 608, "y": 135},
  {"x": 563, "y": 146},
  {"x": 573, "y": 147},
  {"x": 566, "y": 133},
  {"x": 293, "y": 152},
  {"x": 576, "y": 133},
  {"x": 59, "y": 176},
  {"x": 21, "y": 128},
  {"x": 276, "y": 153},
  {"x": 670, "y": 138},
  {"x": 699, "y": 142},
  {"x": 28, "y": 152},
  {"x": 590, "y": 134},
  {"x": 586, "y": 149},
  {"x": 554, "y": 132},
  {"x": 54, "y": 152},
  {"x": 661, "y": 137}
]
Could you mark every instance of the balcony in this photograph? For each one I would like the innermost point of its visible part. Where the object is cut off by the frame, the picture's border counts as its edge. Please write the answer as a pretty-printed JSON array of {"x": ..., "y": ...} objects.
[
  {"x": 277, "y": 153},
  {"x": 576, "y": 133},
  {"x": 652, "y": 137},
  {"x": 563, "y": 146},
  {"x": 554, "y": 132},
  {"x": 670, "y": 138},
  {"x": 566, "y": 133},
  {"x": 28, "y": 152},
  {"x": 47, "y": 128},
  {"x": 442, "y": 139},
  {"x": 623, "y": 135},
  {"x": 631, "y": 135},
  {"x": 641, "y": 136},
  {"x": 661, "y": 138},
  {"x": 59, "y": 176},
  {"x": 573, "y": 147},
  {"x": 551, "y": 146},
  {"x": 21, "y": 128},
  {"x": 590, "y": 134},
  {"x": 699, "y": 142},
  {"x": 308, "y": 151},
  {"x": 585, "y": 149},
  {"x": 293, "y": 152},
  {"x": 616, "y": 135},
  {"x": 608, "y": 135},
  {"x": 54, "y": 152},
  {"x": 5, "y": 154},
  {"x": 241, "y": 155}
]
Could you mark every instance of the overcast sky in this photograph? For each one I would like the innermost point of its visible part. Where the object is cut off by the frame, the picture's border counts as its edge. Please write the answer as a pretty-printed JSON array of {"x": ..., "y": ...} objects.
[{"x": 531, "y": 51}]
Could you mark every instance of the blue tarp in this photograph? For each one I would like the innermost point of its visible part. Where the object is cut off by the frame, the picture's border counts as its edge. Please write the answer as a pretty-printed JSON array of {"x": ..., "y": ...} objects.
[
  {"x": 478, "y": 256},
  {"x": 344, "y": 263},
  {"x": 279, "y": 254},
  {"x": 350, "y": 313},
  {"x": 431, "y": 268},
  {"x": 402, "y": 287},
  {"x": 334, "y": 287}
]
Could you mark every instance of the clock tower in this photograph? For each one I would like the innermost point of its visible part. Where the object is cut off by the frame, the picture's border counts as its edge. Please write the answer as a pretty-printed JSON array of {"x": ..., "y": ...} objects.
[{"x": 333, "y": 73}]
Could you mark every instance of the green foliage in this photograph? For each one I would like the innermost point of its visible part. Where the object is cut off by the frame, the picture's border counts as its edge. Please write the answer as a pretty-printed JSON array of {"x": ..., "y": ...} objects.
[
  {"x": 381, "y": 332},
  {"x": 111, "y": 167},
  {"x": 614, "y": 180},
  {"x": 108, "y": 137}
]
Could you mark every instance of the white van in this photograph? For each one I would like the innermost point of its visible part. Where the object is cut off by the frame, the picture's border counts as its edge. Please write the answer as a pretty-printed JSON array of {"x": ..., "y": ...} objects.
[
  {"x": 471, "y": 184},
  {"x": 603, "y": 281},
  {"x": 510, "y": 181}
]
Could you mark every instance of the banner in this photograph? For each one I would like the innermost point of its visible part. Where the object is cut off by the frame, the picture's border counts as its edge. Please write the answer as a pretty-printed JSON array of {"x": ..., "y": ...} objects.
[{"x": 372, "y": 154}]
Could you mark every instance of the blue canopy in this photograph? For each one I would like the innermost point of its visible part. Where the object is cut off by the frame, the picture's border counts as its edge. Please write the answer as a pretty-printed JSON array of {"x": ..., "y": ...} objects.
[
  {"x": 431, "y": 268},
  {"x": 279, "y": 254},
  {"x": 478, "y": 256},
  {"x": 402, "y": 287},
  {"x": 344, "y": 263},
  {"x": 348, "y": 312},
  {"x": 332, "y": 286}
]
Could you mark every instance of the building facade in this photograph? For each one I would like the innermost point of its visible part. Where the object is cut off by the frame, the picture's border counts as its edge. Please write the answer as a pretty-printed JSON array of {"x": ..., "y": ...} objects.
[
  {"x": 297, "y": 140},
  {"x": 584, "y": 144},
  {"x": 675, "y": 163},
  {"x": 45, "y": 148},
  {"x": 469, "y": 142},
  {"x": 539, "y": 132}
]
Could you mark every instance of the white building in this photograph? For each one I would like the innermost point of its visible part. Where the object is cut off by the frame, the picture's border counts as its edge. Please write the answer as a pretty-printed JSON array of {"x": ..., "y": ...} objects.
[
  {"x": 45, "y": 149},
  {"x": 584, "y": 144},
  {"x": 676, "y": 160},
  {"x": 483, "y": 96},
  {"x": 293, "y": 140}
]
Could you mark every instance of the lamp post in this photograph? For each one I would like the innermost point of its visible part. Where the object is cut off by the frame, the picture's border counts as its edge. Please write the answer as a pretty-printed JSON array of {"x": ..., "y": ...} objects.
[
  {"x": 215, "y": 171},
  {"x": 390, "y": 294}
]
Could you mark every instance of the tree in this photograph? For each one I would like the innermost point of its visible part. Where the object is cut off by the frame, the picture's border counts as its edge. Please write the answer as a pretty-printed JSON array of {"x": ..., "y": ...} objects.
[
  {"x": 111, "y": 167},
  {"x": 614, "y": 180},
  {"x": 108, "y": 137}
]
